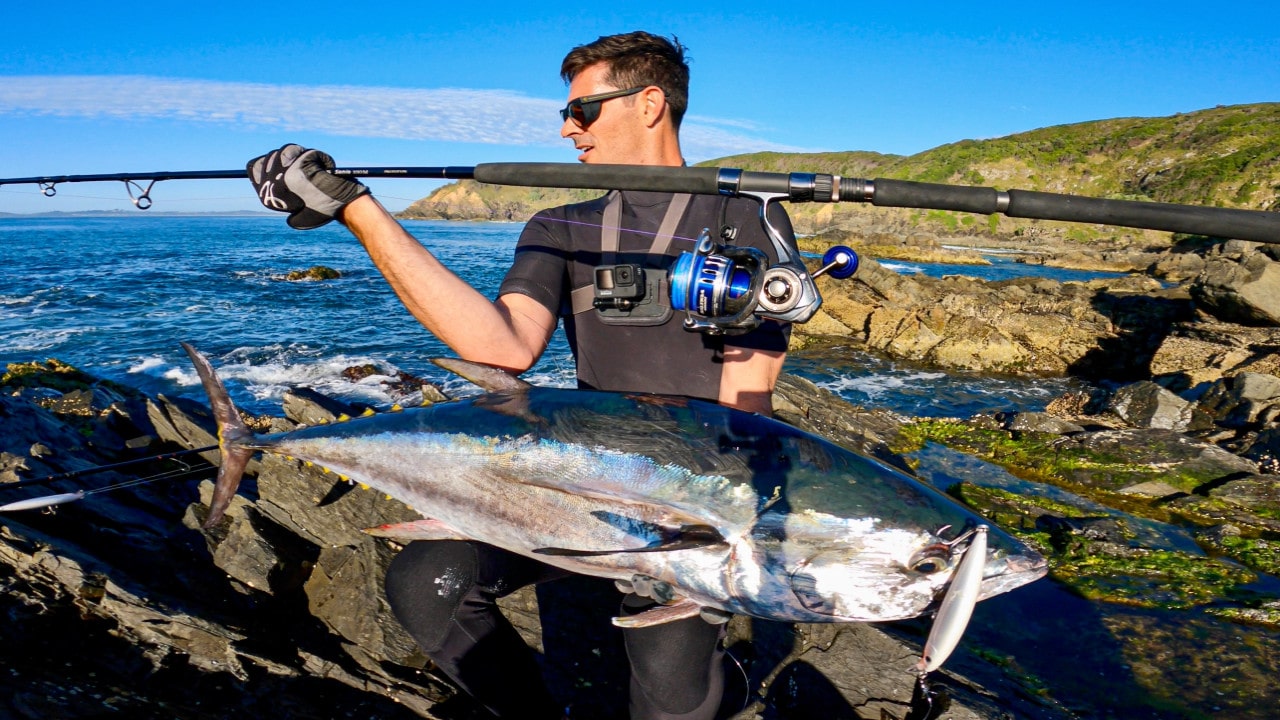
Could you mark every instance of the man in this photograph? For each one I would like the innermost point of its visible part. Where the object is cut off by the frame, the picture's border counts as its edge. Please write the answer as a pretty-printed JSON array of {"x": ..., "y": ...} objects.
[{"x": 627, "y": 96}]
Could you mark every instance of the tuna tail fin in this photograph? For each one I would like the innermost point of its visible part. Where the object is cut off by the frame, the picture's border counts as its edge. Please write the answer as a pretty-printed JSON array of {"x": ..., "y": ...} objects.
[{"x": 232, "y": 434}]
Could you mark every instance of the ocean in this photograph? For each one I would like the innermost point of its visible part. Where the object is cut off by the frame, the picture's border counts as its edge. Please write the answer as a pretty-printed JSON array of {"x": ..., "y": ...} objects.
[{"x": 115, "y": 295}]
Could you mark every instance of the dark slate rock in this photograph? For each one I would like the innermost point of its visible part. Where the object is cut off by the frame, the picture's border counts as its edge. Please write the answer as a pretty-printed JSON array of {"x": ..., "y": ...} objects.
[{"x": 1145, "y": 404}]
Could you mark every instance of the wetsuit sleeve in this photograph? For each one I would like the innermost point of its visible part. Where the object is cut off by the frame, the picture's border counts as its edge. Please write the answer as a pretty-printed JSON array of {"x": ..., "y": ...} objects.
[{"x": 539, "y": 269}]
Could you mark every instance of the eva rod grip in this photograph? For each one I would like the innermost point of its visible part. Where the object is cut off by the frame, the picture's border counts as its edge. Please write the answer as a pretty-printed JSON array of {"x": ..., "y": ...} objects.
[
  {"x": 1255, "y": 225},
  {"x": 654, "y": 178},
  {"x": 903, "y": 193}
]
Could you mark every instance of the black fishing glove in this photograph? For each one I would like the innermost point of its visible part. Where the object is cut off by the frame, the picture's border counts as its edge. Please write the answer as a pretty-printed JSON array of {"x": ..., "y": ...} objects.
[{"x": 297, "y": 181}]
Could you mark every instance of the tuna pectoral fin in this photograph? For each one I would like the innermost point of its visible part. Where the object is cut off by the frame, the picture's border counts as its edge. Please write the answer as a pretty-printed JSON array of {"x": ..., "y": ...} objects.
[
  {"x": 687, "y": 538},
  {"x": 678, "y": 610},
  {"x": 233, "y": 435},
  {"x": 425, "y": 529},
  {"x": 489, "y": 378}
]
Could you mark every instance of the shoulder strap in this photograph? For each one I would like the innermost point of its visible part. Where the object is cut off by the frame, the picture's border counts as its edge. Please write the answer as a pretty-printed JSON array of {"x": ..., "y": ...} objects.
[{"x": 610, "y": 240}]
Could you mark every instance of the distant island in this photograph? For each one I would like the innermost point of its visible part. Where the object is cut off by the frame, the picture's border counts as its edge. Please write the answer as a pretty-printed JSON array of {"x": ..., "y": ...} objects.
[{"x": 1228, "y": 156}]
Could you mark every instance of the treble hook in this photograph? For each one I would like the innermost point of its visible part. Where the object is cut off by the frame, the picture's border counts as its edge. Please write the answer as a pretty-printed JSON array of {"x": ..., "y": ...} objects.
[
  {"x": 143, "y": 200},
  {"x": 928, "y": 702}
]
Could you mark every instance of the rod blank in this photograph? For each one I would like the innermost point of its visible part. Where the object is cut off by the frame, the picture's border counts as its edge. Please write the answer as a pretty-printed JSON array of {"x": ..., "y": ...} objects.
[{"x": 1255, "y": 225}]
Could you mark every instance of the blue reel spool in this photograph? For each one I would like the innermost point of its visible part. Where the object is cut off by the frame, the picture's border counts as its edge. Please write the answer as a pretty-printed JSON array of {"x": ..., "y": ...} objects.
[{"x": 709, "y": 285}]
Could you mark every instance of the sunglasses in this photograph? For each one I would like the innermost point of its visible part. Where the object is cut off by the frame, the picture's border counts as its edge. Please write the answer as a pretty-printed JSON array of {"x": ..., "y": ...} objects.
[{"x": 586, "y": 109}]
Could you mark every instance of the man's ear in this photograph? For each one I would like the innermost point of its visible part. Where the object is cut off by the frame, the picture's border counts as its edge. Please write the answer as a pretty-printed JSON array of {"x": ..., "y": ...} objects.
[{"x": 654, "y": 105}]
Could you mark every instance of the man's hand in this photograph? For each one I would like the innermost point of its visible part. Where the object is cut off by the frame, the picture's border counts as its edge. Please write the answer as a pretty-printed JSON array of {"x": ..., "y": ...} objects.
[{"x": 297, "y": 181}]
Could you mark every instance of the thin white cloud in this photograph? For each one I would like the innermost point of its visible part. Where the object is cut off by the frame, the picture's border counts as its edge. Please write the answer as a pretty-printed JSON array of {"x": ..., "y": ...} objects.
[{"x": 496, "y": 117}]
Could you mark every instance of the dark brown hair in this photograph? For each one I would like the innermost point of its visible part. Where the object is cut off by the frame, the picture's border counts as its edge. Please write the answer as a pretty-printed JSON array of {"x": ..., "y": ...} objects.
[{"x": 637, "y": 59}]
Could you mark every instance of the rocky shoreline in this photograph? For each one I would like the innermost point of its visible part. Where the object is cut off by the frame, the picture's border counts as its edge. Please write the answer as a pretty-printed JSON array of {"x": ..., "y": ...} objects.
[{"x": 119, "y": 602}]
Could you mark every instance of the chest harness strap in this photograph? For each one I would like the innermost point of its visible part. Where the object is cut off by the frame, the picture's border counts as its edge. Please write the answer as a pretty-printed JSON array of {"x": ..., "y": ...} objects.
[{"x": 610, "y": 234}]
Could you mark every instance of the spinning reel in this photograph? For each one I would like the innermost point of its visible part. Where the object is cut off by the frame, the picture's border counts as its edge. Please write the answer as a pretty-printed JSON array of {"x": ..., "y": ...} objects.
[{"x": 725, "y": 289}]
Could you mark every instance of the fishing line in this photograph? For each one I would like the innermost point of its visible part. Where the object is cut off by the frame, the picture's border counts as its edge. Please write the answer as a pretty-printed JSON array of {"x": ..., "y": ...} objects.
[
  {"x": 103, "y": 468},
  {"x": 46, "y": 503}
]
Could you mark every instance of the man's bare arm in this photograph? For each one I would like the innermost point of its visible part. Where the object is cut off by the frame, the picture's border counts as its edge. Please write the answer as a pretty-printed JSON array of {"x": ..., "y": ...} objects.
[
  {"x": 510, "y": 332},
  {"x": 748, "y": 377}
]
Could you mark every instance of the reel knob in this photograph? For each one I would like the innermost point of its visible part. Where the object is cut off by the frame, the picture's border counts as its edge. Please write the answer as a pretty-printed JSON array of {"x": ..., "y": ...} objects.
[{"x": 839, "y": 262}]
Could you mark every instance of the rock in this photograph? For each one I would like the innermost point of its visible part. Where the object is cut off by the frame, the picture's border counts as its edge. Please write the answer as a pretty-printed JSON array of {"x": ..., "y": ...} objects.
[
  {"x": 308, "y": 407},
  {"x": 1177, "y": 266},
  {"x": 1246, "y": 400},
  {"x": 313, "y": 273},
  {"x": 1265, "y": 449},
  {"x": 1245, "y": 291},
  {"x": 1147, "y": 405},
  {"x": 1176, "y": 459},
  {"x": 1025, "y": 325},
  {"x": 1040, "y": 422},
  {"x": 1195, "y": 354}
]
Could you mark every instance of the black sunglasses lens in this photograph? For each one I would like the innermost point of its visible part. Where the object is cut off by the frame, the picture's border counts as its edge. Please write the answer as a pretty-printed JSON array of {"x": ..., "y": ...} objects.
[
  {"x": 586, "y": 113},
  {"x": 582, "y": 113}
]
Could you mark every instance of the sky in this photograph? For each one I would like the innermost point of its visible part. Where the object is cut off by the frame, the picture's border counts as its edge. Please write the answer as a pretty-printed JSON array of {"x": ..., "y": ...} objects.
[{"x": 110, "y": 87}]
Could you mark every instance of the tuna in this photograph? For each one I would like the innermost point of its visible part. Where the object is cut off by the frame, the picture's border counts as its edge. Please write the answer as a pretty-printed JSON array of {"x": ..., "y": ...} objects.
[{"x": 736, "y": 512}]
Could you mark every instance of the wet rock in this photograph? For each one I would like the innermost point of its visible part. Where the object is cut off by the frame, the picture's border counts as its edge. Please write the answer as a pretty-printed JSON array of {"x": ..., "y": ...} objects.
[
  {"x": 1040, "y": 422},
  {"x": 1245, "y": 290},
  {"x": 1141, "y": 454},
  {"x": 1145, "y": 404},
  {"x": 1265, "y": 449},
  {"x": 313, "y": 273}
]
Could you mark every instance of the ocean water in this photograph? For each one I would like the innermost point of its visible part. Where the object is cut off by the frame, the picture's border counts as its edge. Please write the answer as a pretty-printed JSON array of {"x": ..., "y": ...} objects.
[{"x": 115, "y": 295}]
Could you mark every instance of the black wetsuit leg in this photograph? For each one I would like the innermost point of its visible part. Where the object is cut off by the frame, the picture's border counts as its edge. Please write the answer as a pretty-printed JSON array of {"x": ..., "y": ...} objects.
[
  {"x": 444, "y": 592},
  {"x": 677, "y": 668}
]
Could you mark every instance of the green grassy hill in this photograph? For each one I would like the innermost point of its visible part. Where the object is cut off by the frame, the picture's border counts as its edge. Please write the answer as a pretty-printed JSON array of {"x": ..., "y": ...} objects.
[{"x": 1224, "y": 156}]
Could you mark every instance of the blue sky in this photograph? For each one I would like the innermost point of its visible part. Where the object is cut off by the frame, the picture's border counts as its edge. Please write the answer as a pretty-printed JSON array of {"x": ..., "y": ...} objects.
[{"x": 102, "y": 87}]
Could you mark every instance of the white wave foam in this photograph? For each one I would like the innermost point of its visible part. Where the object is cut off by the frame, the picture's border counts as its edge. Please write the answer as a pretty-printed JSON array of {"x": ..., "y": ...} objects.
[
  {"x": 41, "y": 340},
  {"x": 900, "y": 268},
  {"x": 875, "y": 386},
  {"x": 145, "y": 365}
]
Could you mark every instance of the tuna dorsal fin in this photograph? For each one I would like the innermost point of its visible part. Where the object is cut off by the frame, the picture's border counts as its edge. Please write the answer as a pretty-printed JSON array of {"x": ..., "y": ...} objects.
[
  {"x": 688, "y": 538},
  {"x": 486, "y": 376}
]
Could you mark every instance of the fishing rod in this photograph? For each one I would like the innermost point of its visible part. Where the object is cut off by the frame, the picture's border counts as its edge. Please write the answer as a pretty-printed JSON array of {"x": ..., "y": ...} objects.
[
  {"x": 103, "y": 468},
  {"x": 1256, "y": 225},
  {"x": 45, "y": 502}
]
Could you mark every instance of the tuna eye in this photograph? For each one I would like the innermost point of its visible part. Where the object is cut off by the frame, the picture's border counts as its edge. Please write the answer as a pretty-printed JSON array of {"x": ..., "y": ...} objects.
[{"x": 931, "y": 560}]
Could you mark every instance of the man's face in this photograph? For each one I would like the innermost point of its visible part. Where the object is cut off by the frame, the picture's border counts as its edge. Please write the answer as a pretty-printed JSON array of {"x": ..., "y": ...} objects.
[{"x": 617, "y": 135}]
